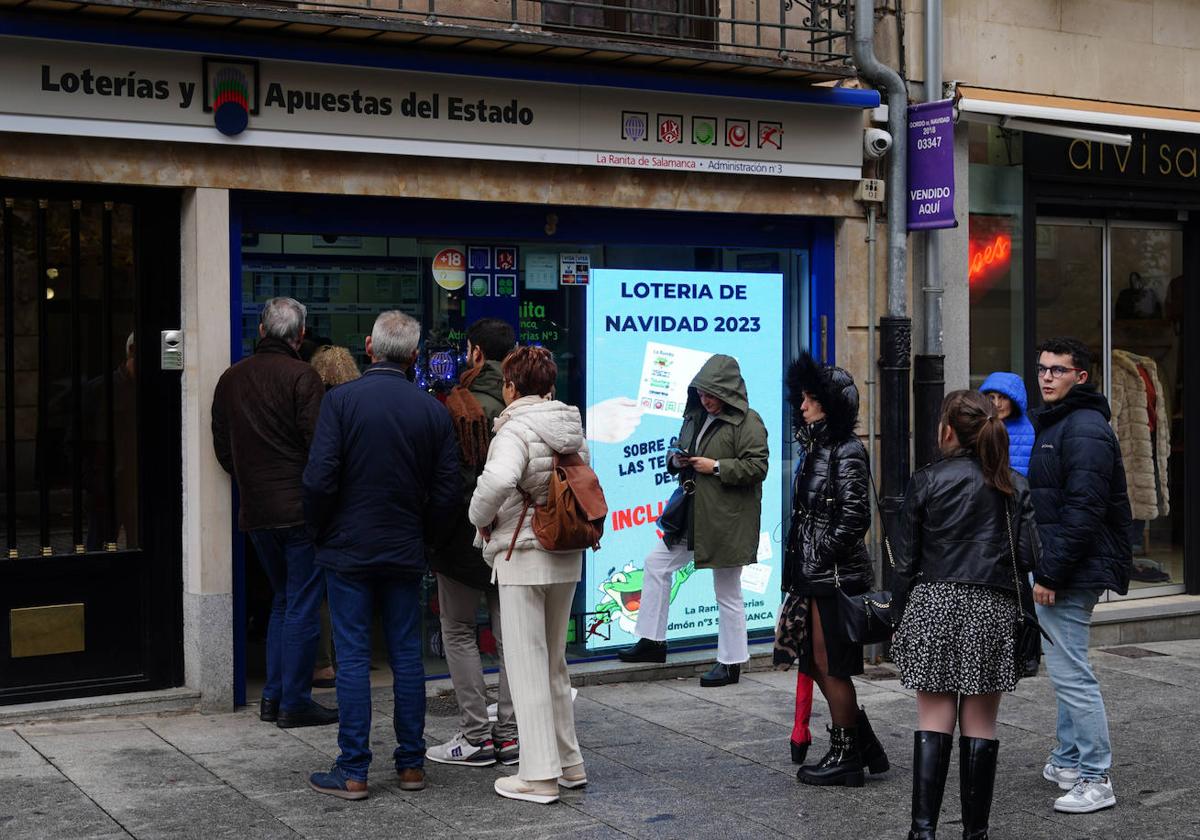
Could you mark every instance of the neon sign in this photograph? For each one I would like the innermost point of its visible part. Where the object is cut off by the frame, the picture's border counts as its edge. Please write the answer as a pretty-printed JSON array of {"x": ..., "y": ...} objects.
[{"x": 988, "y": 256}]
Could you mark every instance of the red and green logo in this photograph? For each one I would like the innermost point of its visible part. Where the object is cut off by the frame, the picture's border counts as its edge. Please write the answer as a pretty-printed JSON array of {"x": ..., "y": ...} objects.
[{"x": 230, "y": 93}]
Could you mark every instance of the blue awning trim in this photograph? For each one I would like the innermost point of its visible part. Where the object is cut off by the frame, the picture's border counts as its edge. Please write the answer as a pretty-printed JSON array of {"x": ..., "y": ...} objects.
[{"x": 421, "y": 60}]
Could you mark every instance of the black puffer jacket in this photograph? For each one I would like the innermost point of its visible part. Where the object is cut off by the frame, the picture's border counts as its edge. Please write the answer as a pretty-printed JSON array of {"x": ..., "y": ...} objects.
[
  {"x": 953, "y": 529},
  {"x": 831, "y": 508},
  {"x": 1077, "y": 479}
]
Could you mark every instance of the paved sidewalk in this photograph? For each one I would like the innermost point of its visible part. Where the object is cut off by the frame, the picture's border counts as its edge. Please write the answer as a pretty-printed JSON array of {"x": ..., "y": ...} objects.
[{"x": 665, "y": 759}]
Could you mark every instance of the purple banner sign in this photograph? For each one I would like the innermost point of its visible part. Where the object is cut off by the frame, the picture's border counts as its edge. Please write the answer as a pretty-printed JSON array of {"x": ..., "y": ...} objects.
[{"x": 931, "y": 165}]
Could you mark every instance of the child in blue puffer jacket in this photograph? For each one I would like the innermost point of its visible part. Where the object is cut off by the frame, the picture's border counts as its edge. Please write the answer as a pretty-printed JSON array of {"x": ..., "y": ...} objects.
[{"x": 1007, "y": 393}]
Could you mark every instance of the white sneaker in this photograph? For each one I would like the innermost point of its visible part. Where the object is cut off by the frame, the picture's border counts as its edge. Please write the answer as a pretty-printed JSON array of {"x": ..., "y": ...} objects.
[
  {"x": 542, "y": 792},
  {"x": 1064, "y": 777},
  {"x": 458, "y": 750},
  {"x": 1087, "y": 796}
]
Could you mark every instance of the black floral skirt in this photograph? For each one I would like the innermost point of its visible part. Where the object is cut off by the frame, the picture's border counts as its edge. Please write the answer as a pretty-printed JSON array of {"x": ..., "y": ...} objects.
[{"x": 957, "y": 637}]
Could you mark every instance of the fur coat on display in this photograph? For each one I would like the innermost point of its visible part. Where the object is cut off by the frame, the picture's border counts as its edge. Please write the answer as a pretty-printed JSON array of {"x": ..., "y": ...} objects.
[{"x": 1149, "y": 494}]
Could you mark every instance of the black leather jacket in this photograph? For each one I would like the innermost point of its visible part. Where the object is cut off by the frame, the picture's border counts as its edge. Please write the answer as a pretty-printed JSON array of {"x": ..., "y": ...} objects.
[
  {"x": 953, "y": 529},
  {"x": 831, "y": 513}
]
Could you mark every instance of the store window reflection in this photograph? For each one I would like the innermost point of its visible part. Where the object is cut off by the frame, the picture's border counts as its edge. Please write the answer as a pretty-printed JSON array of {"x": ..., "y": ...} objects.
[{"x": 1147, "y": 391}]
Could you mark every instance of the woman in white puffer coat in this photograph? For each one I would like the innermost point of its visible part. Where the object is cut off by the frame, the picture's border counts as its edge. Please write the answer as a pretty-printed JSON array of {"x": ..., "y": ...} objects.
[{"x": 536, "y": 586}]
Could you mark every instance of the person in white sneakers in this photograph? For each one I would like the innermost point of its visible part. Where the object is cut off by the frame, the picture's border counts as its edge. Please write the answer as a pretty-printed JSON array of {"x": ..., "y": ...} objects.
[
  {"x": 464, "y": 579},
  {"x": 536, "y": 585},
  {"x": 1081, "y": 502}
]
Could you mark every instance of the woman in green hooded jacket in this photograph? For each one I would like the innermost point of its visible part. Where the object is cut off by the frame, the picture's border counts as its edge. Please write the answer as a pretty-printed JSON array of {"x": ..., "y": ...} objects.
[{"x": 723, "y": 461}]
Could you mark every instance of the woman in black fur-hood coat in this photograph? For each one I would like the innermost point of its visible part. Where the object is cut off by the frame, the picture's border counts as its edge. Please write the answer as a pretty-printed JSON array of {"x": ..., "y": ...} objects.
[{"x": 831, "y": 513}]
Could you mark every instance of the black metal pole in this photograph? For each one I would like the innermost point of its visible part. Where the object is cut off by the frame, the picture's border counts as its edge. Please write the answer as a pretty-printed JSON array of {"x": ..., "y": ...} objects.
[
  {"x": 43, "y": 396},
  {"x": 895, "y": 364},
  {"x": 10, "y": 383},
  {"x": 76, "y": 382},
  {"x": 929, "y": 388},
  {"x": 106, "y": 321}
]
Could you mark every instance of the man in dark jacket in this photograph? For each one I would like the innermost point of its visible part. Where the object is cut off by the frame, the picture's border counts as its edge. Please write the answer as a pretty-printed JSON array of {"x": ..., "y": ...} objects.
[
  {"x": 1077, "y": 482},
  {"x": 263, "y": 415},
  {"x": 383, "y": 471},
  {"x": 462, "y": 574}
]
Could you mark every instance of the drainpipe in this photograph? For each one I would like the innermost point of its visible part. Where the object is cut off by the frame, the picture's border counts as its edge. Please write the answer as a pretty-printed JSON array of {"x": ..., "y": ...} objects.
[
  {"x": 929, "y": 384},
  {"x": 895, "y": 328}
]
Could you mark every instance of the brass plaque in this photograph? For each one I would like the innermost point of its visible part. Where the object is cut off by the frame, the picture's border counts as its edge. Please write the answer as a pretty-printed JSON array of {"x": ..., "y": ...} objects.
[{"x": 42, "y": 631}]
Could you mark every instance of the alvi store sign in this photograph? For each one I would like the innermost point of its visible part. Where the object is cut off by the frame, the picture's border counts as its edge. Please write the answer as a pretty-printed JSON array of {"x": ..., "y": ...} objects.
[{"x": 55, "y": 87}]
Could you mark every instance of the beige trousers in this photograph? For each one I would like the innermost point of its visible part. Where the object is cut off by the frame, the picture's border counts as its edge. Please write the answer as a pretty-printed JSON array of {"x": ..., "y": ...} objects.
[{"x": 535, "y": 657}]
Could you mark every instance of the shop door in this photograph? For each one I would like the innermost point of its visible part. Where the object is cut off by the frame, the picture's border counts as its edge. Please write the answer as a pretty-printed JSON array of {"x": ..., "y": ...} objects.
[
  {"x": 90, "y": 572},
  {"x": 1118, "y": 286}
]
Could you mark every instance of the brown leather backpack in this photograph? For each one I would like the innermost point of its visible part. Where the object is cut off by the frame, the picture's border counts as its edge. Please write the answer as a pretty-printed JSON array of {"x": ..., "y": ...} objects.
[{"x": 573, "y": 517}]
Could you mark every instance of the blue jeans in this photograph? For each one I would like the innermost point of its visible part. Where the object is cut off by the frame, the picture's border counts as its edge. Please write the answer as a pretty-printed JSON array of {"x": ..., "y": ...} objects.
[
  {"x": 351, "y": 610},
  {"x": 1083, "y": 741},
  {"x": 287, "y": 556}
]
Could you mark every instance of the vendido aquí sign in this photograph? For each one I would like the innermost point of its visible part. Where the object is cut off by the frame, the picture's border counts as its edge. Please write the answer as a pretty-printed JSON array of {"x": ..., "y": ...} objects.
[
  {"x": 97, "y": 90},
  {"x": 931, "y": 165}
]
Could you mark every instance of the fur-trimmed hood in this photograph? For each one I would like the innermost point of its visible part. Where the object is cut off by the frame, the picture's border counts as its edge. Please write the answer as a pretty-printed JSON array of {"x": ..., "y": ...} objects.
[{"x": 833, "y": 388}]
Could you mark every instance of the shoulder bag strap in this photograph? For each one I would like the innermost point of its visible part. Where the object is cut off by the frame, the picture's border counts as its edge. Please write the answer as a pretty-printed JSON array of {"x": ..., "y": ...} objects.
[
  {"x": 520, "y": 524},
  {"x": 1012, "y": 550}
]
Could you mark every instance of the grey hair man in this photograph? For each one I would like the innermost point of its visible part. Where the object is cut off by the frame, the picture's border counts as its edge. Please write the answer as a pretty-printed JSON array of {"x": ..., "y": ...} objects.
[
  {"x": 382, "y": 474},
  {"x": 264, "y": 413}
]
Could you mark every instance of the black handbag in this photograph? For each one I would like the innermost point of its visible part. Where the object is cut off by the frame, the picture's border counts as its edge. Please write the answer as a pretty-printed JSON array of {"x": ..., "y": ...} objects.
[
  {"x": 866, "y": 618},
  {"x": 673, "y": 521},
  {"x": 1028, "y": 635}
]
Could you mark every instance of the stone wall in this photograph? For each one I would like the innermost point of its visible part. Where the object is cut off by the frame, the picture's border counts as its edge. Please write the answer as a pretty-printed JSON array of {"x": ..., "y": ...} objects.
[{"x": 1140, "y": 51}]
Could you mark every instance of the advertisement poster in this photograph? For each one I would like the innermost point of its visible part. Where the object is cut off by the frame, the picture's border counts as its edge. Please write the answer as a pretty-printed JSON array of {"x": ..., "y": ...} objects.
[
  {"x": 931, "y": 165},
  {"x": 649, "y": 332}
]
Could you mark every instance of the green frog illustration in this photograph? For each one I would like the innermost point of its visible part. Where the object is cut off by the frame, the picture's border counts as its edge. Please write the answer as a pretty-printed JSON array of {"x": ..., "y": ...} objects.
[{"x": 623, "y": 596}]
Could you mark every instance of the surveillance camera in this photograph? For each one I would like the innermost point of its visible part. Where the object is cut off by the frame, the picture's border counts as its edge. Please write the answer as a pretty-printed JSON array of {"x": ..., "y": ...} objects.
[{"x": 876, "y": 142}]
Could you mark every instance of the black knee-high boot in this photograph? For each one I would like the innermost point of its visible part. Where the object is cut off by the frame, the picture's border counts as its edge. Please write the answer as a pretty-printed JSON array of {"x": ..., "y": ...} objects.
[
  {"x": 977, "y": 779},
  {"x": 931, "y": 762}
]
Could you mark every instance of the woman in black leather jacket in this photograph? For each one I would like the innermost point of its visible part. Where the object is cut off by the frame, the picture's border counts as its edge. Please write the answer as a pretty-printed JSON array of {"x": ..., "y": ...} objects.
[
  {"x": 968, "y": 540},
  {"x": 831, "y": 513}
]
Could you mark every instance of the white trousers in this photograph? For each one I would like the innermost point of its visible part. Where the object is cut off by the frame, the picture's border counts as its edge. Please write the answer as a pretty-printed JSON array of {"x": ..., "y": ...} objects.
[
  {"x": 659, "y": 571},
  {"x": 535, "y": 655}
]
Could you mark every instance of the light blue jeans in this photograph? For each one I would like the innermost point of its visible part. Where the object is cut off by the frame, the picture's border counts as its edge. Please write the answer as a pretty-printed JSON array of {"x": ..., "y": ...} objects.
[{"x": 1083, "y": 741}]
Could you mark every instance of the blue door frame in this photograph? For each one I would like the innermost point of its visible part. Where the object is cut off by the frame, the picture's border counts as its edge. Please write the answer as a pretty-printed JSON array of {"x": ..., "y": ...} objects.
[{"x": 430, "y": 218}]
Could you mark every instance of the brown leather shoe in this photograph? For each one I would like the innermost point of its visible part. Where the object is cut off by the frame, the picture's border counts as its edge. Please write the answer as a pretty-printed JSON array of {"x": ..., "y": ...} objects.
[{"x": 412, "y": 778}]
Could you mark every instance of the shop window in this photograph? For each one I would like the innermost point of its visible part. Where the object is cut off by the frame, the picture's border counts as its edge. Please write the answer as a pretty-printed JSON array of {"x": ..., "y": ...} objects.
[
  {"x": 688, "y": 21},
  {"x": 541, "y": 287}
]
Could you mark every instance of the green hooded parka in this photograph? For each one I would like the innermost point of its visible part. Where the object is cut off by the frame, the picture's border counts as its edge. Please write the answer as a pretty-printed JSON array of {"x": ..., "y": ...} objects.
[{"x": 726, "y": 508}]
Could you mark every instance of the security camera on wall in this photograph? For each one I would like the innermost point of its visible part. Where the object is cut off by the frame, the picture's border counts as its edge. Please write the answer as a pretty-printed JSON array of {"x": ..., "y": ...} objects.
[{"x": 876, "y": 143}]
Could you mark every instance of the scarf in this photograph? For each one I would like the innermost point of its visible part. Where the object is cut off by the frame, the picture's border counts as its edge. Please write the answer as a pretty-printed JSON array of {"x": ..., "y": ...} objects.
[{"x": 470, "y": 424}]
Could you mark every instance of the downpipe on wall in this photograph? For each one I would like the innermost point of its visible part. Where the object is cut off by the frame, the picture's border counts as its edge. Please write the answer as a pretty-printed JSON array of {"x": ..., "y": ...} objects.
[{"x": 895, "y": 328}]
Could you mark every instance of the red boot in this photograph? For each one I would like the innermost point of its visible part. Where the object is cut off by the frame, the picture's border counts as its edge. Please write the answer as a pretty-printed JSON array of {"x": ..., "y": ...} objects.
[{"x": 801, "y": 734}]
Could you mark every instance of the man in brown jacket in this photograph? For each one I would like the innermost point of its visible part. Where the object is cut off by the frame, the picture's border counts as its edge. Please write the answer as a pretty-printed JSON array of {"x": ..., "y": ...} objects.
[{"x": 264, "y": 413}]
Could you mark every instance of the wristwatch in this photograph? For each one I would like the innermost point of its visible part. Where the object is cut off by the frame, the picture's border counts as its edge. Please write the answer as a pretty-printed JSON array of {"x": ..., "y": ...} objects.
[{"x": 716, "y": 467}]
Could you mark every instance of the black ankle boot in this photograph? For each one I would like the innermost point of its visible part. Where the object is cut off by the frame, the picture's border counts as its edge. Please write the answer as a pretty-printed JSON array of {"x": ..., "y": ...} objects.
[
  {"x": 873, "y": 755},
  {"x": 646, "y": 650},
  {"x": 721, "y": 674},
  {"x": 931, "y": 762},
  {"x": 842, "y": 765},
  {"x": 977, "y": 778},
  {"x": 799, "y": 751}
]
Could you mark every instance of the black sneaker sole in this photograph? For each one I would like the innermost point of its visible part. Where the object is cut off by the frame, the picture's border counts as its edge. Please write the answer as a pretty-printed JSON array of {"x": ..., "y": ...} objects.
[
  {"x": 855, "y": 779},
  {"x": 486, "y": 762}
]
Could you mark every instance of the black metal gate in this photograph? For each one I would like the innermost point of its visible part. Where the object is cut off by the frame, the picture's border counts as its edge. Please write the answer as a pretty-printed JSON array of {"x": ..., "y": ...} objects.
[{"x": 90, "y": 579}]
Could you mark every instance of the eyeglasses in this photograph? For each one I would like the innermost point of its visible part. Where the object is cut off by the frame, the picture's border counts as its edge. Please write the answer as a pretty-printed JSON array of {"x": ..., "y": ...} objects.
[{"x": 1057, "y": 371}]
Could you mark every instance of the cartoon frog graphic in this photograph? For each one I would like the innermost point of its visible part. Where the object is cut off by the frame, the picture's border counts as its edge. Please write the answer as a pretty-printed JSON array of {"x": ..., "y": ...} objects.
[{"x": 623, "y": 596}]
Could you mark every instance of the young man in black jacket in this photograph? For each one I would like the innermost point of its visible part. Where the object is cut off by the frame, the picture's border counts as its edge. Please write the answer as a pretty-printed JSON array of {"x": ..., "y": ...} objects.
[
  {"x": 463, "y": 576},
  {"x": 1077, "y": 481}
]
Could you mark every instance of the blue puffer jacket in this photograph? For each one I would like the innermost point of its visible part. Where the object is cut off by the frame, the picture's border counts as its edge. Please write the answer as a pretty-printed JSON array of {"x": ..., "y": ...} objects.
[
  {"x": 1020, "y": 429},
  {"x": 1080, "y": 499}
]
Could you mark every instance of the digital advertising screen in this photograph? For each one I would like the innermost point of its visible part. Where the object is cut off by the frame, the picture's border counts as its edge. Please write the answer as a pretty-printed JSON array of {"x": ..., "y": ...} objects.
[{"x": 649, "y": 333}]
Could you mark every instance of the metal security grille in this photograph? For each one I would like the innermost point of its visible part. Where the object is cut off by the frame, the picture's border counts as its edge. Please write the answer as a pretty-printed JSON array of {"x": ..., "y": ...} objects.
[{"x": 70, "y": 376}]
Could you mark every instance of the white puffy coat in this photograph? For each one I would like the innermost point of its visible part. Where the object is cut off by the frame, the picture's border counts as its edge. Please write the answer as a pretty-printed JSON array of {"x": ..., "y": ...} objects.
[
  {"x": 1148, "y": 499},
  {"x": 528, "y": 433}
]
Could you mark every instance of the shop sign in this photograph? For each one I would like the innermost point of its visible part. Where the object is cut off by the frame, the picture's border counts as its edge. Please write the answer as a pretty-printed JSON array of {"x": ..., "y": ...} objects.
[
  {"x": 541, "y": 272},
  {"x": 450, "y": 269},
  {"x": 931, "y": 165},
  {"x": 649, "y": 332},
  {"x": 1153, "y": 159},
  {"x": 56, "y": 87}
]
